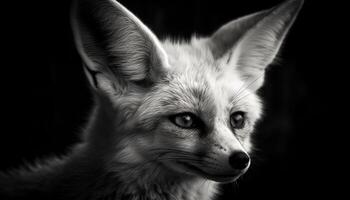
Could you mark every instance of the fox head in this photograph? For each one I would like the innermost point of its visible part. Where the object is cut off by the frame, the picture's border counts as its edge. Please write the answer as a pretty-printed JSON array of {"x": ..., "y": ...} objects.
[{"x": 187, "y": 106}]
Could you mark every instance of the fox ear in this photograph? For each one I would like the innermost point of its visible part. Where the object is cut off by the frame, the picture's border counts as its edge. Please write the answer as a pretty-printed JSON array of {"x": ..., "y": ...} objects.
[
  {"x": 117, "y": 49},
  {"x": 251, "y": 43}
]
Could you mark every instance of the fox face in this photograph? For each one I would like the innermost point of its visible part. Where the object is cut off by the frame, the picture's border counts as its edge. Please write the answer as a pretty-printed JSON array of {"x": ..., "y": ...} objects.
[
  {"x": 199, "y": 118},
  {"x": 188, "y": 107},
  {"x": 195, "y": 123}
]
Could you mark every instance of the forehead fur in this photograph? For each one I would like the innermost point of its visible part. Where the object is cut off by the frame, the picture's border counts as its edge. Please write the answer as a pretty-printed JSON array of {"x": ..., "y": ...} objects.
[
  {"x": 194, "y": 54},
  {"x": 200, "y": 84}
]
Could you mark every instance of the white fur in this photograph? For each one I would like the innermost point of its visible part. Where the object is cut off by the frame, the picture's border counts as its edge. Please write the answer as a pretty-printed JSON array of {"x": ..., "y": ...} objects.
[{"x": 131, "y": 148}]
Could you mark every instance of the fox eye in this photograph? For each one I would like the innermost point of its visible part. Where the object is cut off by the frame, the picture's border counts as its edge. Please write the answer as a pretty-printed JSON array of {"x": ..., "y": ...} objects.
[
  {"x": 237, "y": 120},
  {"x": 185, "y": 120}
]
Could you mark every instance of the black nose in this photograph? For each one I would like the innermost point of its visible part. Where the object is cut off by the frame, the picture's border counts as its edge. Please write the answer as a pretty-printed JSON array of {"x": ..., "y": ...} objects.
[{"x": 239, "y": 160}]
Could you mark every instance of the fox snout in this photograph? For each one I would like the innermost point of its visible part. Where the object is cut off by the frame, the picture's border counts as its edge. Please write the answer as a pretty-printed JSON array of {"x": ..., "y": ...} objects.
[
  {"x": 227, "y": 157},
  {"x": 227, "y": 168},
  {"x": 222, "y": 168},
  {"x": 239, "y": 160}
]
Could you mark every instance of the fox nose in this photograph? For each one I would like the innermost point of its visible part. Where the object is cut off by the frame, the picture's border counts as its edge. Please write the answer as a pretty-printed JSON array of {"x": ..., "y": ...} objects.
[{"x": 239, "y": 160}]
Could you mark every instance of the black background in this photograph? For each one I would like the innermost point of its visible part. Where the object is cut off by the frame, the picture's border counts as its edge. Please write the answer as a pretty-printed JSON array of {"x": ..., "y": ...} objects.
[{"x": 46, "y": 98}]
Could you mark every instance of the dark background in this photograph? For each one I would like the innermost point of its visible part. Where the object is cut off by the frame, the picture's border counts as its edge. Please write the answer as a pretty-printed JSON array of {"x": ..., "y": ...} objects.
[{"x": 46, "y": 98}]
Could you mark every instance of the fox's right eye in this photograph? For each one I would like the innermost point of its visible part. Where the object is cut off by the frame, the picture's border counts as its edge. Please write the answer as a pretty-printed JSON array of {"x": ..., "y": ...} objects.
[{"x": 185, "y": 120}]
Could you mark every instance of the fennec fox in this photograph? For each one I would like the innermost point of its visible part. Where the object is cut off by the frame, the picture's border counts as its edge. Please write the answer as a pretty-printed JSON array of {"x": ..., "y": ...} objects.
[{"x": 172, "y": 119}]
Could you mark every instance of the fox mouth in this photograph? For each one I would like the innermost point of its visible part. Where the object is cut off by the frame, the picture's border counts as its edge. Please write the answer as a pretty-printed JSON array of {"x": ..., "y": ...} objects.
[{"x": 217, "y": 177}]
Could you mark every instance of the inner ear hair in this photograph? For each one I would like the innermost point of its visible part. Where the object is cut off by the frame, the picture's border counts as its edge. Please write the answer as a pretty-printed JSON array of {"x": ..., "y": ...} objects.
[{"x": 115, "y": 44}]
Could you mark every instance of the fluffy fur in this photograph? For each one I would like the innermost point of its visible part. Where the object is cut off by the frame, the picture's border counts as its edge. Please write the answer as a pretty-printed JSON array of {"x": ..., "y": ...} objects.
[{"x": 131, "y": 149}]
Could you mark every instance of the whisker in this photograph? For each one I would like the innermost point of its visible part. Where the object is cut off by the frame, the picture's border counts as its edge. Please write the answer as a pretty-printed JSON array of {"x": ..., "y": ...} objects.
[
  {"x": 240, "y": 91},
  {"x": 241, "y": 98},
  {"x": 167, "y": 150}
]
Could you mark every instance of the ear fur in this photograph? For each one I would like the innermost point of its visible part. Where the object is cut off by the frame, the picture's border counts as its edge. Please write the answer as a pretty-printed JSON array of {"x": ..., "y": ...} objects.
[
  {"x": 252, "y": 42},
  {"x": 117, "y": 49}
]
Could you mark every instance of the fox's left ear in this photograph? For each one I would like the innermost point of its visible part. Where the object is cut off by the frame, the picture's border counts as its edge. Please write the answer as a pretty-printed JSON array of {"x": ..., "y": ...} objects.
[{"x": 251, "y": 43}]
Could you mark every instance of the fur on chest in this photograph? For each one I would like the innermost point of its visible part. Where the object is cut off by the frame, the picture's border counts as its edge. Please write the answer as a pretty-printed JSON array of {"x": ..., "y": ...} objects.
[{"x": 192, "y": 190}]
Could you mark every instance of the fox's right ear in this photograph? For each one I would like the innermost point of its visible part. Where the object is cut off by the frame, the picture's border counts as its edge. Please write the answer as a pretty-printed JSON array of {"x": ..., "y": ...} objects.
[{"x": 117, "y": 49}]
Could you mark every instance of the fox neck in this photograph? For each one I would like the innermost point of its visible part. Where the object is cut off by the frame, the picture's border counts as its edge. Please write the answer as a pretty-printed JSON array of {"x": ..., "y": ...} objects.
[
  {"x": 155, "y": 182},
  {"x": 136, "y": 180}
]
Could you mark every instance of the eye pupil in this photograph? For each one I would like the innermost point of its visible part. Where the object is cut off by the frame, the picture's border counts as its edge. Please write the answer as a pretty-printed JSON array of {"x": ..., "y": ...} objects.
[
  {"x": 237, "y": 120},
  {"x": 184, "y": 120}
]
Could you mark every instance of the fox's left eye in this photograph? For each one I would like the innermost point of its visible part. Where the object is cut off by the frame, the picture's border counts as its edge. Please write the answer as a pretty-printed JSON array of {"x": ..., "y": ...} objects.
[
  {"x": 185, "y": 120},
  {"x": 237, "y": 120}
]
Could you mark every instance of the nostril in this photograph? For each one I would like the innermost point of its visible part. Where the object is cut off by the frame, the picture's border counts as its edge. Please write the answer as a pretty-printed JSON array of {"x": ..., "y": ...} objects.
[{"x": 239, "y": 160}]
